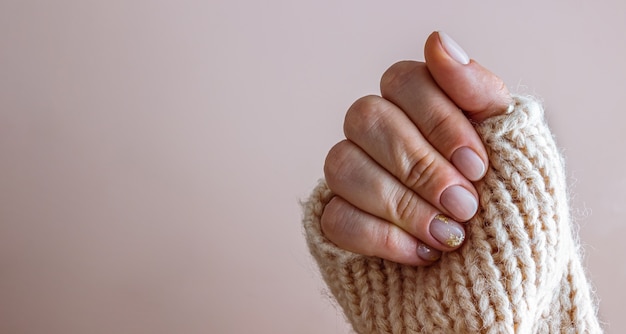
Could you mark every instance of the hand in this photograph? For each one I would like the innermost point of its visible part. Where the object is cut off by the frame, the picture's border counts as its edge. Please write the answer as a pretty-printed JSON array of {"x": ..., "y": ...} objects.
[{"x": 403, "y": 177}]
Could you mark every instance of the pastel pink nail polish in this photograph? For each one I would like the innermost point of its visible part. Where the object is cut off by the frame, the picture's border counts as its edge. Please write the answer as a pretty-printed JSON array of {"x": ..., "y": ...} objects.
[
  {"x": 468, "y": 163},
  {"x": 454, "y": 50},
  {"x": 459, "y": 202},
  {"x": 447, "y": 231},
  {"x": 427, "y": 253}
]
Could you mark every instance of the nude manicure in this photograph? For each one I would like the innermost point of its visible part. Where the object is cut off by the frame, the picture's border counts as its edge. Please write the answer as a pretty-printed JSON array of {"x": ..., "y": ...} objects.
[
  {"x": 468, "y": 163},
  {"x": 453, "y": 49},
  {"x": 427, "y": 253},
  {"x": 447, "y": 231},
  {"x": 459, "y": 202}
]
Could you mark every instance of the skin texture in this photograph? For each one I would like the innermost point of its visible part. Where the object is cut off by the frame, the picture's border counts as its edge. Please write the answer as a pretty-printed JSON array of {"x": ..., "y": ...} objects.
[{"x": 393, "y": 173}]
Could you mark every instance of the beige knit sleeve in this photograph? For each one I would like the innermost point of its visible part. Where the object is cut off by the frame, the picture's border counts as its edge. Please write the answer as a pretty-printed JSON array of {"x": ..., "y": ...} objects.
[{"x": 519, "y": 270}]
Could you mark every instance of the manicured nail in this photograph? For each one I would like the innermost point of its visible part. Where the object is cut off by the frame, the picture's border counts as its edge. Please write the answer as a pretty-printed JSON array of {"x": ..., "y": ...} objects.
[
  {"x": 427, "y": 253},
  {"x": 459, "y": 202},
  {"x": 468, "y": 163},
  {"x": 453, "y": 49},
  {"x": 447, "y": 231}
]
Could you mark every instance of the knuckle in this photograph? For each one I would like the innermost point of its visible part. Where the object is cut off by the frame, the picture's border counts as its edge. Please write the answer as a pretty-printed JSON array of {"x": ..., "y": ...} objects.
[
  {"x": 388, "y": 239},
  {"x": 448, "y": 132},
  {"x": 494, "y": 102},
  {"x": 403, "y": 205},
  {"x": 502, "y": 89},
  {"x": 396, "y": 76},
  {"x": 420, "y": 170},
  {"x": 364, "y": 115},
  {"x": 331, "y": 222},
  {"x": 338, "y": 163},
  {"x": 340, "y": 223},
  {"x": 499, "y": 102},
  {"x": 438, "y": 121}
]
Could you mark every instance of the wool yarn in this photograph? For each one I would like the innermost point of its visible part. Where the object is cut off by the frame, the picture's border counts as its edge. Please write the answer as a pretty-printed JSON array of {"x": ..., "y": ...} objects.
[{"x": 519, "y": 270}]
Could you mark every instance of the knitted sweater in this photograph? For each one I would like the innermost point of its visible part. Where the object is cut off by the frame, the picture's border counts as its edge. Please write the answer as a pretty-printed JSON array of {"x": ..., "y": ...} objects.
[{"x": 519, "y": 270}]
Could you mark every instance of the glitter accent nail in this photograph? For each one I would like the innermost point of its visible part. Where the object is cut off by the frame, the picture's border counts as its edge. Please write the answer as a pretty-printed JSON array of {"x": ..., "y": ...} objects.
[{"x": 447, "y": 231}]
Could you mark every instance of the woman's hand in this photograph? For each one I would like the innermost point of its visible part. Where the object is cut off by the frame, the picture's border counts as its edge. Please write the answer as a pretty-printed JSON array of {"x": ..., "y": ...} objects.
[{"x": 403, "y": 175}]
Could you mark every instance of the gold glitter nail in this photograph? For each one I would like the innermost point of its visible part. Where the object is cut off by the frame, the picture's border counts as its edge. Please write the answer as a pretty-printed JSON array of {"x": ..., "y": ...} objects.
[
  {"x": 442, "y": 218},
  {"x": 455, "y": 240},
  {"x": 447, "y": 231}
]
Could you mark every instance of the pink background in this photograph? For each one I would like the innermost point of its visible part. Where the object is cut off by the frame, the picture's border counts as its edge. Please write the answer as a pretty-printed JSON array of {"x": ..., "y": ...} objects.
[{"x": 152, "y": 153}]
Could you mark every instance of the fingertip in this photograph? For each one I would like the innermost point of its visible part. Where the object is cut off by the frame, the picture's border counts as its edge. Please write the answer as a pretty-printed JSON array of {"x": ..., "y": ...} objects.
[
  {"x": 452, "y": 49},
  {"x": 436, "y": 54},
  {"x": 427, "y": 253},
  {"x": 460, "y": 202},
  {"x": 447, "y": 232},
  {"x": 469, "y": 163},
  {"x": 479, "y": 92}
]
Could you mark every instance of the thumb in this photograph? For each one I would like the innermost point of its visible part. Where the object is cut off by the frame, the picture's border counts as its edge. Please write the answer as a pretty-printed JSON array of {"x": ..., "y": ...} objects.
[{"x": 473, "y": 88}]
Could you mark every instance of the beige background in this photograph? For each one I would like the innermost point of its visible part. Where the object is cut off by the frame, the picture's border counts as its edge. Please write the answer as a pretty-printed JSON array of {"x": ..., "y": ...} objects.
[{"x": 152, "y": 153}]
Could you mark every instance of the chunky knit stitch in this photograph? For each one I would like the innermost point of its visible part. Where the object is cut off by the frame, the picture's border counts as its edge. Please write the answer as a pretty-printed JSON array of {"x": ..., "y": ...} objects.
[{"x": 519, "y": 270}]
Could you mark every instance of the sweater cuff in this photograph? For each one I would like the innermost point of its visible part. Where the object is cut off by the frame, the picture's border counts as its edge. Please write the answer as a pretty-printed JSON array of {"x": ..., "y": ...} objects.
[{"x": 517, "y": 272}]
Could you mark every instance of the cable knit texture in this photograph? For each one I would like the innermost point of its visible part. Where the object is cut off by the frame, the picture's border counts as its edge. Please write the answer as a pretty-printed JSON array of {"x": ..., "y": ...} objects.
[{"x": 519, "y": 270}]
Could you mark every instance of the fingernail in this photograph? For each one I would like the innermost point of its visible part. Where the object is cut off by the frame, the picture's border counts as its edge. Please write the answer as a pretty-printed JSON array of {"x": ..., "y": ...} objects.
[
  {"x": 427, "y": 253},
  {"x": 453, "y": 49},
  {"x": 459, "y": 202},
  {"x": 468, "y": 163},
  {"x": 447, "y": 231}
]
